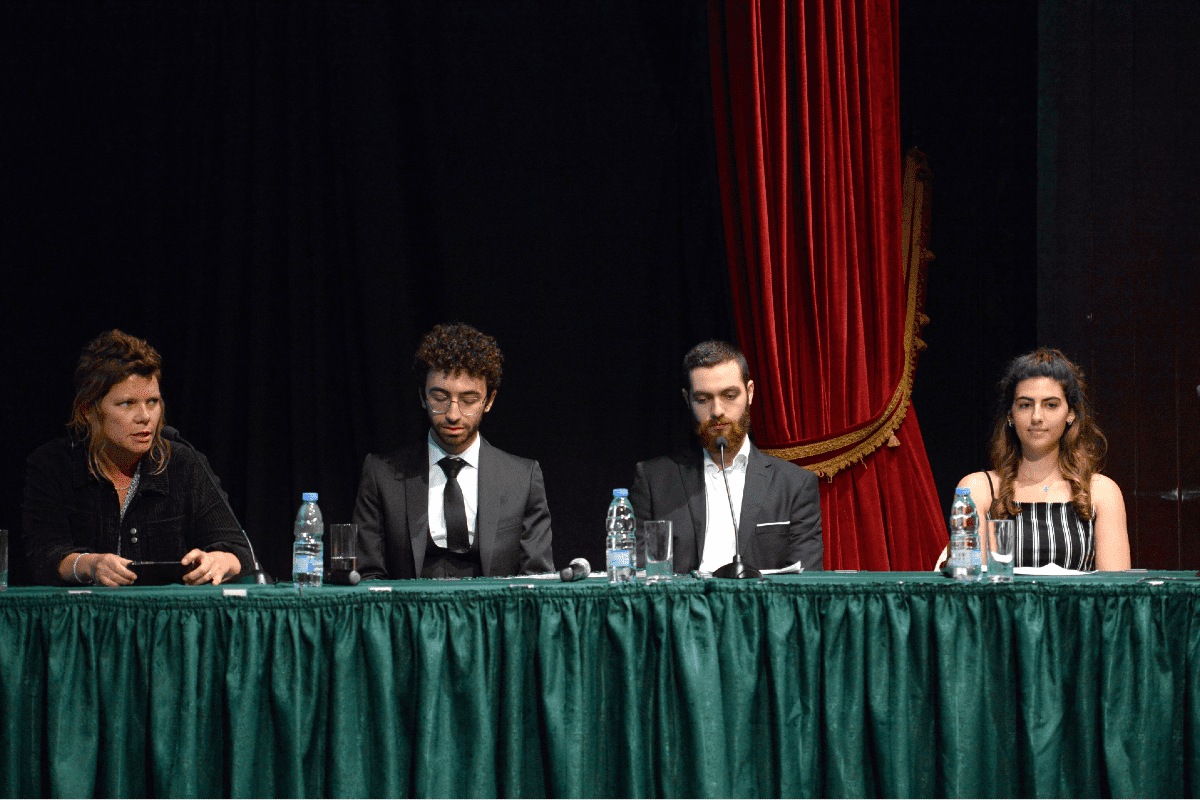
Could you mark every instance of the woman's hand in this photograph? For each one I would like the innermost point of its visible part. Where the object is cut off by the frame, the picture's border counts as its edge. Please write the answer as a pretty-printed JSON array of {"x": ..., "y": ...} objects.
[
  {"x": 107, "y": 569},
  {"x": 211, "y": 567}
]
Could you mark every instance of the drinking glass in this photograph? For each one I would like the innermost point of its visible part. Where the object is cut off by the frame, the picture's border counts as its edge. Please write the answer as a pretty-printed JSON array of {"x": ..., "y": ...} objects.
[
  {"x": 342, "y": 541},
  {"x": 1000, "y": 538},
  {"x": 659, "y": 550}
]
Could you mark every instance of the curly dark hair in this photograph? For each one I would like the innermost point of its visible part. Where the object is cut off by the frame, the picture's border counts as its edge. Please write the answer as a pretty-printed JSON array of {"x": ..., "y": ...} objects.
[
  {"x": 457, "y": 347},
  {"x": 105, "y": 361},
  {"x": 1081, "y": 450},
  {"x": 710, "y": 354}
]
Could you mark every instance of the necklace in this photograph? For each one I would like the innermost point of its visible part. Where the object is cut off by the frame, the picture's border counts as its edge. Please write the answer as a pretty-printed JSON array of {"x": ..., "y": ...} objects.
[{"x": 1045, "y": 486}]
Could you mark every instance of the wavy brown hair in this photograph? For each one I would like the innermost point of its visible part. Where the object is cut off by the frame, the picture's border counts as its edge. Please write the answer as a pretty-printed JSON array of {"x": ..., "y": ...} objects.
[
  {"x": 459, "y": 348},
  {"x": 107, "y": 360},
  {"x": 1081, "y": 449}
]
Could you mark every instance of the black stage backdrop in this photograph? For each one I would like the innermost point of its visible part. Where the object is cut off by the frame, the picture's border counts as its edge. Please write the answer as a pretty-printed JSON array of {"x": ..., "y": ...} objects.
[
  {"x": 968, "y": 100},
  {"x": 283, "y": 197}
]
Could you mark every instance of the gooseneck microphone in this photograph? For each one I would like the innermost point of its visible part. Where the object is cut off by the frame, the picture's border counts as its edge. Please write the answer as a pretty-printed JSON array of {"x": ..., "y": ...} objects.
[
  {"x": 577, "y": 570},
  {"x": 171, "y": 434},
  {"x": 736, "y": 568}
]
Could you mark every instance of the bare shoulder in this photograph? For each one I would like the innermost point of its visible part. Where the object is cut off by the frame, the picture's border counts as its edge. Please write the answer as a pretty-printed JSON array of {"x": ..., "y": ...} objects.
[
  {"x": 981, "y": 489},
  {"x": 1105, "y": 490}
]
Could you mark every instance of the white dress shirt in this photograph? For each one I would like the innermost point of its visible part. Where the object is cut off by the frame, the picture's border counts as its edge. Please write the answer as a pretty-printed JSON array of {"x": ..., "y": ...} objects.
[
  {"x": 468, "y": 481},
  {"x": 718, "y": 526}
]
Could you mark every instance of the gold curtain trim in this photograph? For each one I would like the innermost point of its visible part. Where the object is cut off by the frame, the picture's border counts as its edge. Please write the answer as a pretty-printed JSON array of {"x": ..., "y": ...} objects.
[{"x": 914, "y": 233}]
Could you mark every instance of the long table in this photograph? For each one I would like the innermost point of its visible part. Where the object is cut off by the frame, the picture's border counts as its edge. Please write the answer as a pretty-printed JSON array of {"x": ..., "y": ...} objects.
[{"x": 896, "y": 684}]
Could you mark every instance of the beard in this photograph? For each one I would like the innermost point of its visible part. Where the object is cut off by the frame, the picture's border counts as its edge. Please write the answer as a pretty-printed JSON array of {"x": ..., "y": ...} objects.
[{"x": 738, "y": 431}]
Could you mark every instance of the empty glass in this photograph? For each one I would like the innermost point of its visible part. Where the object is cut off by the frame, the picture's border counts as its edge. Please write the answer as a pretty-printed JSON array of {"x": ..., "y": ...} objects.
[
  {"x": 659, "y": 549},
  {"x": 1000, "y": 538}
]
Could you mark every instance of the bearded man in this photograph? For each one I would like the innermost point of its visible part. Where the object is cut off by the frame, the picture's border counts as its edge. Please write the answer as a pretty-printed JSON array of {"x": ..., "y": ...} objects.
[
  {"x": 775, "y": 505},
  {"x": 453, "y": 506}
]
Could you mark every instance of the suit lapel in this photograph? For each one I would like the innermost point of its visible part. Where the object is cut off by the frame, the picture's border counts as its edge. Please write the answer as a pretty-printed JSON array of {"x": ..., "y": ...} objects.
[
  {"x": 754, "y": 494},
  {"x": 416, "y": 499},
  {"x": 487, "y": 516},
  {"x": 690, "y": 473}
]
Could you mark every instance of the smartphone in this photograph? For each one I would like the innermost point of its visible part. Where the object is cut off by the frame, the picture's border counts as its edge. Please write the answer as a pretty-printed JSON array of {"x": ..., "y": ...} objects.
[{"x": 159, "y": 573}]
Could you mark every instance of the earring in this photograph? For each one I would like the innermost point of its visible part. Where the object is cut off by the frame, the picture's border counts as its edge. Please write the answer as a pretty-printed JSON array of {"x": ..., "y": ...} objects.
[{"x": 1010, "y": 423}]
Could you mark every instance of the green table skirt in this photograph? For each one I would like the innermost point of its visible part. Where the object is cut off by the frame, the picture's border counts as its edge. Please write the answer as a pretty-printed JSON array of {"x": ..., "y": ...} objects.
[{"x": 818, "y": 685}]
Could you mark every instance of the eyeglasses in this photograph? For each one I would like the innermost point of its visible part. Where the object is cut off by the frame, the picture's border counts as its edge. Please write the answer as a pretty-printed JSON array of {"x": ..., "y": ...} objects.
[{"x": 466, "y": 407}]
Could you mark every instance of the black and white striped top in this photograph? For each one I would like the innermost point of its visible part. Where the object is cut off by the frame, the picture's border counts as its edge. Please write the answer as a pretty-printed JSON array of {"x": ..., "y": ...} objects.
[{"x": 1052, "y": 533}]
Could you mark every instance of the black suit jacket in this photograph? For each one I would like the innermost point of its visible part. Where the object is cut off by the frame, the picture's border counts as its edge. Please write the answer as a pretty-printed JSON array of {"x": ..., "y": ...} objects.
[
  {"x": 512, "y": 525},
  {"x": 780, "y": 520}
]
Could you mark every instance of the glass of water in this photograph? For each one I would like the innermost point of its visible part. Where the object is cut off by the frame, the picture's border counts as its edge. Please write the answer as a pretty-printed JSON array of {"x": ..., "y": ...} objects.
[
  {"x": 342, "y": 541},
  {"x": 1000, "y": 537},
  {"x": 660, "y": 546}
]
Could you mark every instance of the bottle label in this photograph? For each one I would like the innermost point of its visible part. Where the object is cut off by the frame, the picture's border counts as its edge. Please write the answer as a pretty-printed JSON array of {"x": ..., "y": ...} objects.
[
  {"x": 960, "y": 554},
  {"x": 307, "y": 565},
  {"x": 618, "y": 558}
]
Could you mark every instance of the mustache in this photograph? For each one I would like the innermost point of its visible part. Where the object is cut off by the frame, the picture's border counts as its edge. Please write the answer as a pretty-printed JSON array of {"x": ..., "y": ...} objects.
[{"x": 705, "y": 427}]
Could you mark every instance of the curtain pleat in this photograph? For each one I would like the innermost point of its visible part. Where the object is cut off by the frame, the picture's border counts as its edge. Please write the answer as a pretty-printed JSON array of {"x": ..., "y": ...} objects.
[{"x": 808, "y": 151}]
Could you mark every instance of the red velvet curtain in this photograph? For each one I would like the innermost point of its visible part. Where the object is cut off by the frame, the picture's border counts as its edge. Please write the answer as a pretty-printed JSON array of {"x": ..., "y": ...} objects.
[{"x": 809, "y": 156}]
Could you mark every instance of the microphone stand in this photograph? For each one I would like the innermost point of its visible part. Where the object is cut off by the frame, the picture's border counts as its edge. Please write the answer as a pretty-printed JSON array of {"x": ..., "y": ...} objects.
[
  {"x": 736, "y": 568},
  {"x": 170, "y": 433}
]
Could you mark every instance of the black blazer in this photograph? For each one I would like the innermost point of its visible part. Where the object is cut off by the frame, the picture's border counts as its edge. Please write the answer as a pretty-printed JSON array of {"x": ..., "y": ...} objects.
[
  {"x": 69, "y": 510},
  {"x": 512, "y": 525},
  {"x": 780, "y": 521}
]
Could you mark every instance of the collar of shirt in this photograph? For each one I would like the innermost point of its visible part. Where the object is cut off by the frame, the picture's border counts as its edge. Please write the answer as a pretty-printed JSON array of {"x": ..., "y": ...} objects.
[
  {"x": 436, "y": 453},
  {"x": 739, "y": 461}
]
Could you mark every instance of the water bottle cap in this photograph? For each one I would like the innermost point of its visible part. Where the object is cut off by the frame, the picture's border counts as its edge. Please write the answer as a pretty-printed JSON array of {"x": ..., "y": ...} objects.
[
  {"x": 962, "y": 491},
  {"x": 309, "y": 497},
  {"x": 620, "y": 493}
]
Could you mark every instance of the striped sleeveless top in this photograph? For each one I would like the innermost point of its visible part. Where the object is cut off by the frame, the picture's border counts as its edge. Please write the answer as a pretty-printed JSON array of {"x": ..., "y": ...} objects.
[{"x": 1052, "y": 533}]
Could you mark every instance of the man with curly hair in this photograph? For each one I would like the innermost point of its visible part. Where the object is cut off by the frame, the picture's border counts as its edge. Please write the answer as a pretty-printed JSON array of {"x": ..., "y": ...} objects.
[
  {"x": 453, "y": 506},
  {"x": 778, "y": 505}
]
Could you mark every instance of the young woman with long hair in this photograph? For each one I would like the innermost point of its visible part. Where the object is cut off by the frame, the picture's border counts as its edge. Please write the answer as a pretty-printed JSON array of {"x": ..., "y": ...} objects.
[{"x": 1046, "y": 457}]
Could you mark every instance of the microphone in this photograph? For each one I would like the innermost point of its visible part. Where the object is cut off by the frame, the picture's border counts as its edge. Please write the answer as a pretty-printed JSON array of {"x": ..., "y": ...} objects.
[
  {"x": 577, "y": 570},
  {"x": 171, "y": 434},
  {"x": 736, "y": 568}
]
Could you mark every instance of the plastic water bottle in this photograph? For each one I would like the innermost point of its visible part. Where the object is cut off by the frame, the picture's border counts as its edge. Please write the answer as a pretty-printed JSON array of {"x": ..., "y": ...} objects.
[
  {"x": 621, "y": 545},
  {"x": 966, "y": 559},
  {"x": 307, "y": 550}
]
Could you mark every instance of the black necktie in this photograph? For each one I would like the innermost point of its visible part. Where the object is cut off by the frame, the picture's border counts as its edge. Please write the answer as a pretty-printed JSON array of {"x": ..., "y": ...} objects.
[{"x": 456, "y": 509}]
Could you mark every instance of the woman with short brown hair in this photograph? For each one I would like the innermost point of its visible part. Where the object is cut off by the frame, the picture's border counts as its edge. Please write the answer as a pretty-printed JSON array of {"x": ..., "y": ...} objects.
[{"x": 113, "y": 491}]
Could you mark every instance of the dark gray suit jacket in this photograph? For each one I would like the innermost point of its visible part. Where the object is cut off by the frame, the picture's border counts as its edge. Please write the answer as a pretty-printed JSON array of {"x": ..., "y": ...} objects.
[
  {"x": 780, "y": 520},
  {"x": 512, "y": 525}
]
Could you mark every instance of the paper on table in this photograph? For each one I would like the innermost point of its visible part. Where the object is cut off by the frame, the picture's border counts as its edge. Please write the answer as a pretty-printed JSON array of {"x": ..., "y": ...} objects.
[
  {"x": 1049, "y": 569},
  {"x": 553, "y": 576},
  {"x": 791, "y": 569}
]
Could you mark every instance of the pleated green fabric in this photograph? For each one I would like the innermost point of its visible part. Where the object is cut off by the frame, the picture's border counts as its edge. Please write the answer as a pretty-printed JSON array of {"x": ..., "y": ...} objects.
[{"x": 823, "y": 685}]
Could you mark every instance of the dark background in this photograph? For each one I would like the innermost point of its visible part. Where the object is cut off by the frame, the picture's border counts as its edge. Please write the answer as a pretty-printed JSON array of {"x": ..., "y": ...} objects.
[
  {"x": 1119, "y": 245},
  {"x": 968, "y": 100},
  {"x": 282, "y": 198}
]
